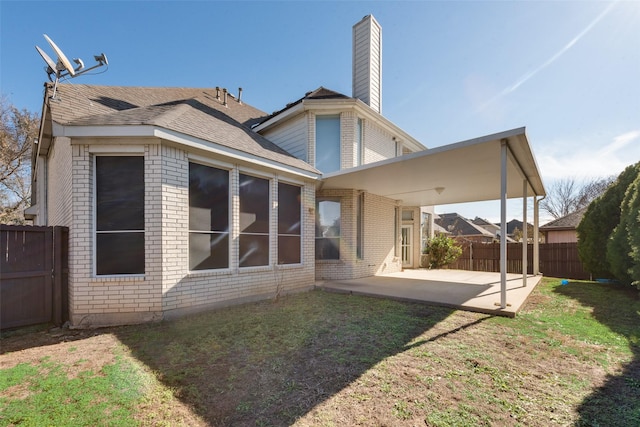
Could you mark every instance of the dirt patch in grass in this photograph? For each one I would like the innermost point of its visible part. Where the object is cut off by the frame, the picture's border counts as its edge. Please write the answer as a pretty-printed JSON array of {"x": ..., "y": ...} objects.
[{"x": 330, "y": 360}]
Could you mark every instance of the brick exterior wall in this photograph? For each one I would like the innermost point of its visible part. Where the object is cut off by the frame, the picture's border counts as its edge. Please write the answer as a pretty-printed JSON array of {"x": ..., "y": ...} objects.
[
  {"x": 378, "y": 144},
  {"x": 348, "y": 124},
  {"x": 379, "y": 255},
  {"x": 168, "y": 288}
]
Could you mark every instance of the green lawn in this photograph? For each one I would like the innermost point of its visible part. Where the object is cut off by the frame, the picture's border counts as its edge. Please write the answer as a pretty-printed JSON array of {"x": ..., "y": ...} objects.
[{"x": 571, "y": 357}]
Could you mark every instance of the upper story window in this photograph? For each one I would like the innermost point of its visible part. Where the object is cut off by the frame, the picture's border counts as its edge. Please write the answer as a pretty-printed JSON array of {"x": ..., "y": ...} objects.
[
  {"x": 208, "y": 217},
  {"x": 119, "y": 222},
  {"x": 328, "y": 143}
]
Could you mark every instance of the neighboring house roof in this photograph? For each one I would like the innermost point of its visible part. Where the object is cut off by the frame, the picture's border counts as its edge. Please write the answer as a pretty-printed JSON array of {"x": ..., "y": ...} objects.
[
  {"x": 567, "y": 222},
  {"x": 195, "y": 112},
  {"x": 489, "y": 226},
  {"x": 439, "y": 230},
  {"x": 458, "y": 225},
  {"x": 513, "y": 224}
]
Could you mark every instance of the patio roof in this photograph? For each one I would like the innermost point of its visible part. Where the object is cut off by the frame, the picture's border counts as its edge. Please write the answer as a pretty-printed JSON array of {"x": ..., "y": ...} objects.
[{"x": 466, "y": 171}]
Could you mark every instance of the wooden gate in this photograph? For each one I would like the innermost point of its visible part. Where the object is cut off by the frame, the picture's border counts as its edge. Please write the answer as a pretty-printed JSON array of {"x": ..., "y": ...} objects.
[{"x": 33, "y": 275}]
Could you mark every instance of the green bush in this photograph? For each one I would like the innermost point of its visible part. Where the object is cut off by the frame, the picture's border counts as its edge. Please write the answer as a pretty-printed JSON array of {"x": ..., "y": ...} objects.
[
  {"x": 598, "y": 224},
  {"x": 619, "y": 244},
  {"x": 442, "y": 250},
  {"x": 629, "y": 231}
]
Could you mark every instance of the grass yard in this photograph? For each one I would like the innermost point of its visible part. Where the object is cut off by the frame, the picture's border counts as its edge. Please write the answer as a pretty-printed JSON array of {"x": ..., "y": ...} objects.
[{"x": 571, "y": 357}]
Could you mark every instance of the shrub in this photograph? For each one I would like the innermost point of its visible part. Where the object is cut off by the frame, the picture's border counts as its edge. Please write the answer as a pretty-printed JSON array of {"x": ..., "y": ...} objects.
[
  {"x": 442, "y": 250},
  {"x": 599, "y": 222},
  {"x": 619, "y": 251}
]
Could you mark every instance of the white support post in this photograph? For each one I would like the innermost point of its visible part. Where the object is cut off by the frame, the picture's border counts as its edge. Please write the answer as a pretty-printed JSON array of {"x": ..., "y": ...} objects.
[
  {"x": 525, "y": 242},
  {"x": 503, "y": 224},
  {"x": 536, "y": 237}
]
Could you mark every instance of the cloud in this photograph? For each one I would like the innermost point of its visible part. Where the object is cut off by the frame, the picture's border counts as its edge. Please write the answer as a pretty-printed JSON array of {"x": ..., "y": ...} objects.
[
  {"x": 530, "y": 74},
  {"x": 560, "y": 159},
  {"x": 619, "y": 142}
]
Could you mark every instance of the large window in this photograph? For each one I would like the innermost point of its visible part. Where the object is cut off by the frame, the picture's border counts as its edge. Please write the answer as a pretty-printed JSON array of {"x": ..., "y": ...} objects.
[
  {"x": 254, "y": 221},
  {"x": 328, "y": 229},
  {"x": 119, "y": 223},
  {"x": 208, "y": 217},
  {"x": 328, "y": 143},
  {"x": 289, "y": 224}
]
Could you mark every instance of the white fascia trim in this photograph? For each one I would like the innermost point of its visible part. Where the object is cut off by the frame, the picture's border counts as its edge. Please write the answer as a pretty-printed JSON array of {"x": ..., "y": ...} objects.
[
  {"x": 103, "y": 131},
  {"x": 179, "y": 138},
  {"x": 211, "y": 147},
  {"x": 296, "y": 109}
]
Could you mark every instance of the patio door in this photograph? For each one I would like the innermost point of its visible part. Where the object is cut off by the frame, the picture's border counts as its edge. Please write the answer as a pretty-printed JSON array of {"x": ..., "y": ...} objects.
[{"x": 406, "y": 245}]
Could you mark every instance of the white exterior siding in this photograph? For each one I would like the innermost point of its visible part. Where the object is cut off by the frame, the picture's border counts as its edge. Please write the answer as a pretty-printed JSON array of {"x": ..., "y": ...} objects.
[
  {"x": 291, "y": 136},
  {"x": 367, "y": 62},
  {"x": 59, "y": 176}
]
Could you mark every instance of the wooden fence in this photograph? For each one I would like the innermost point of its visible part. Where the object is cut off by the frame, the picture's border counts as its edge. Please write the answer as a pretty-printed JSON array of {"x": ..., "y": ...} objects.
[
  {"x": 556, "y": 259},
  {"x": 34, "y": 279}
]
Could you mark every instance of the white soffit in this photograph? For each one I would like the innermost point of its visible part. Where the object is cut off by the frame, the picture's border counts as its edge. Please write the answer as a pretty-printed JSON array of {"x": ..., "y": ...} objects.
[{"x": 467, "y": 171}]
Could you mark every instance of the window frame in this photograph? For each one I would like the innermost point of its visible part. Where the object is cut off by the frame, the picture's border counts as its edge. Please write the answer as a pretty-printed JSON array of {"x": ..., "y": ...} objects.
[
  {"x": 269, "y": 233},
  {"x": 301, "y": 226},
  {"x": 338, "y": 119},
  {"x": 229, "y": 233},
  {"x": 317, "y": 228},
  {"x": 95, "y": 220}
]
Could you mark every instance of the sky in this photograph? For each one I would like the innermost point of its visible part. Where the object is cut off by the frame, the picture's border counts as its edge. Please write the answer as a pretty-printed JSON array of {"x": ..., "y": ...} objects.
[{"x": 568, "y": 71}]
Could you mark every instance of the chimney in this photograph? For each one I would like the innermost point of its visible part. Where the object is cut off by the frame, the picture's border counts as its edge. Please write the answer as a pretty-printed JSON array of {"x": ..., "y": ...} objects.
[
  {"x": 218, "y": 93},
  {"x": 239, "y": 95},
  {"x": 367, "y": 62},
  {"x": 224, "y": 96}
]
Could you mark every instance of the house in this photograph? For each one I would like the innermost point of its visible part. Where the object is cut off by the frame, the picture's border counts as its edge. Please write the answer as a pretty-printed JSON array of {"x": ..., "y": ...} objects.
[
  {"x": 489, "y": 226},
  {"x": 464, "y": 230},
  {"x": 185, "y": 199},
  {"x": 515, "y": 228},
  {"x": 563, "y": 229}
]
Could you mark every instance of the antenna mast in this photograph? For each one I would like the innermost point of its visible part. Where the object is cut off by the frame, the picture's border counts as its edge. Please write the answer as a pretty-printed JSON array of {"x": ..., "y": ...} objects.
[{"x": 62, "y": 67}]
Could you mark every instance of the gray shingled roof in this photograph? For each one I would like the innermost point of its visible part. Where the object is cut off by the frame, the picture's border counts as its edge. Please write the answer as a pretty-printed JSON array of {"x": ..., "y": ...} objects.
[
  {"x": 190, "y": 111},
  {"x": 568, "y": 222},
  {"x": 320, "y": 93},
  {"x": 457, "y": 225}
]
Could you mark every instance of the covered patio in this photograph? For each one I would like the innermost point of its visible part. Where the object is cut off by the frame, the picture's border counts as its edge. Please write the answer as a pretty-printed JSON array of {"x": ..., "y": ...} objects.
[
  {"x": 465, "y": 290},
  {"x": 493, "y": 167}
]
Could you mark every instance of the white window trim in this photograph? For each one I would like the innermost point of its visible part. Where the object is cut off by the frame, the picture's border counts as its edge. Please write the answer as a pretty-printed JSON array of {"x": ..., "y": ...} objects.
[
  {"x": 94, "y": 216},
  {"x": 270, "y": 179}
]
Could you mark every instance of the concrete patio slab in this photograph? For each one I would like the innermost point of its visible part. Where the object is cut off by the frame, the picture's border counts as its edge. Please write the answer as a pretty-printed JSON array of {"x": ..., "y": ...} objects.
[{"x": 465, "y": 290}]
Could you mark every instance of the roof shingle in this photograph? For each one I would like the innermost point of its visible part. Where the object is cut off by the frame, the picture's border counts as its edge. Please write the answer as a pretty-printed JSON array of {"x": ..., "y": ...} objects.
[{"x": 199, "y": 113}]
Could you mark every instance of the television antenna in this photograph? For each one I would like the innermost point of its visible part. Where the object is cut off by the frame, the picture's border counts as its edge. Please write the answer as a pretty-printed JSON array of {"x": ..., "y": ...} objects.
[{"x": 62, "y": 66}]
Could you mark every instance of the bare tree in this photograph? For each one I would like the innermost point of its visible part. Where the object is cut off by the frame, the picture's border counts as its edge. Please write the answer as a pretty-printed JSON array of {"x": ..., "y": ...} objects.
[
  {"x": 18, "y": 130},
  {"x": 567, "y": 195}
]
